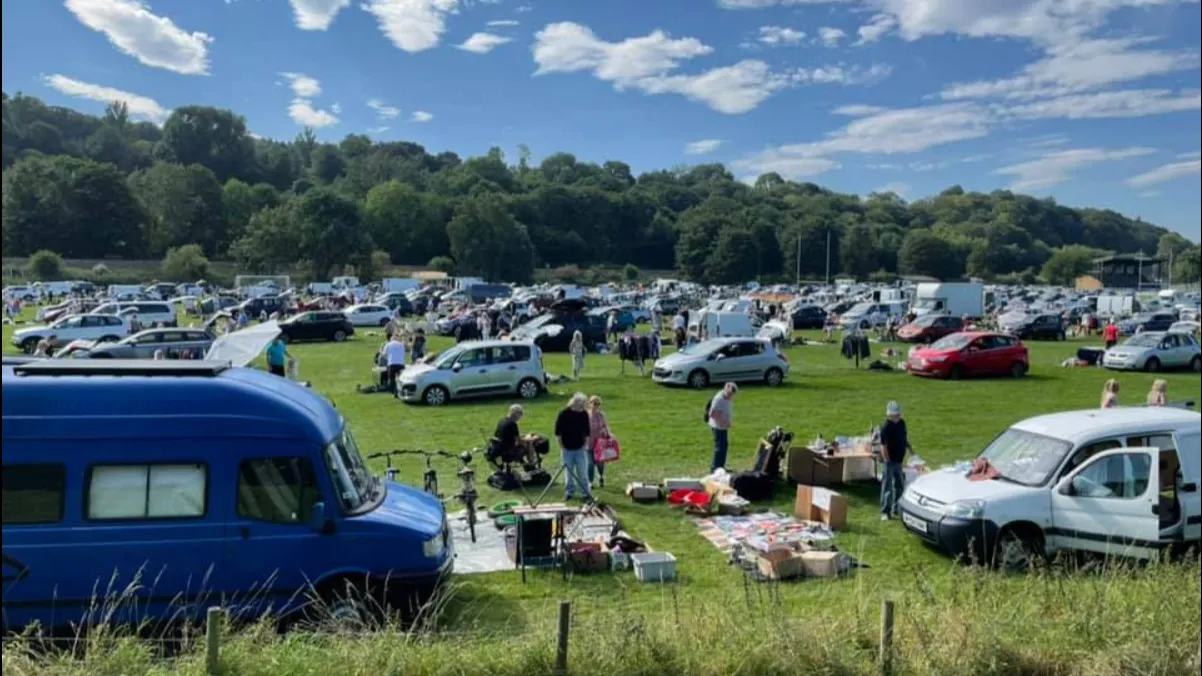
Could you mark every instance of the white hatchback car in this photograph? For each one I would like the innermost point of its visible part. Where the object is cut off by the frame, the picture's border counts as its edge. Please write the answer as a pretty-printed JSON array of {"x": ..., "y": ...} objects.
[
  {"x": 368, "y": 315},
  {"x": 97, "y": 327},
  {"x": 476, "y": 369}
]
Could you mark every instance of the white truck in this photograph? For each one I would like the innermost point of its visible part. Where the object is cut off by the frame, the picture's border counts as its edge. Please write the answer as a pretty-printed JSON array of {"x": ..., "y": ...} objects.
[
  {"x": 958, "y": 299},
  {"x": 399, "y": 284},
  {"x": 1115, "y": 305}
]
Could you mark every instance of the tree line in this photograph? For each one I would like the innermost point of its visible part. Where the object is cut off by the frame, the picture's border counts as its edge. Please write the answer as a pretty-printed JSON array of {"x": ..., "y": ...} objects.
[{"x": 109, "y": 187}]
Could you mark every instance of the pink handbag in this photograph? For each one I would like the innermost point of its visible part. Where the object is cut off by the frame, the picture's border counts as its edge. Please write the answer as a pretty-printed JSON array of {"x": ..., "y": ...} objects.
[{"x": 606, "y": 451}]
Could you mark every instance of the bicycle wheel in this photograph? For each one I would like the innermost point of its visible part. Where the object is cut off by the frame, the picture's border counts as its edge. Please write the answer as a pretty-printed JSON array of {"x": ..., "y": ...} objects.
[
  {"x": 431, "y": 485},
  {"x": 471, "y": 518}
]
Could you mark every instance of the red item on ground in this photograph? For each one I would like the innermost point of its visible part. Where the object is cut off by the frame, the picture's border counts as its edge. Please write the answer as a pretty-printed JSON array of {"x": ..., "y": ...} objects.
[{"x": 685, "y": 496}]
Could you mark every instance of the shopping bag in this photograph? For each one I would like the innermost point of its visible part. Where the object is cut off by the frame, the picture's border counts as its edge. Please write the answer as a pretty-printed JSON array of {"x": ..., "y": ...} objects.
[{"x": 606, "y": 450}]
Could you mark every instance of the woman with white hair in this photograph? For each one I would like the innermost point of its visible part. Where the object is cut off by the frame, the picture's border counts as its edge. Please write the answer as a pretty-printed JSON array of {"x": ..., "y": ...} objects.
[{"x": 572, "y": 433}]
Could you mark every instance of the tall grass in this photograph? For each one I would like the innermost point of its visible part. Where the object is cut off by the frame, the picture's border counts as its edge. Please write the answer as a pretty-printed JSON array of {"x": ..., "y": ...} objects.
[{"x": 1115, "y": 622}]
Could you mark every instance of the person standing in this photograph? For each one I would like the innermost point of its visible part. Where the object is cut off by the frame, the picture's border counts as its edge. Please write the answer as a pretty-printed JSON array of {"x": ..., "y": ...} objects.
[
  {"x": 679, "y": 326},
  {"x": 576, "y": 349},
  {"x": 418, "y": 349},
  {"x": 598, "y": 433},
  {"x": 572, "y": 433},
  {"x": 1158, "y": 396},
  {"x": 895, "y": 440},
  {"x": 611, "y": 326},
  {"x": 394, "y": 358},
  {"x": 719, "y": 416},
  {"x": 1111, "y": 334},
  {"x": 657, "y": 319},
  {"x": 277, "y": 357},
  {"x": 1110, "y": 394}
]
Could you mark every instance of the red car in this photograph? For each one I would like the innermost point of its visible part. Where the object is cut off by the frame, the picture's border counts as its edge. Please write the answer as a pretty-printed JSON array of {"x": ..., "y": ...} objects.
[
  {"x": 971, "y": 354},
  {"x": 930, "y": 328}
]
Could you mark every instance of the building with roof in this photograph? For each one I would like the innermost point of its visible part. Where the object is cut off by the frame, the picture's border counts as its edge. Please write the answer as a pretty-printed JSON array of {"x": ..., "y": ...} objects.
[{"x": 1130, "y": 271}]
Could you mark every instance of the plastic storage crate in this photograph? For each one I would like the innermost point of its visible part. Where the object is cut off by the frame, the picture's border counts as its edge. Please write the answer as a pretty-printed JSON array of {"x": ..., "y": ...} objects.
[{"x": 654, "y": 566}]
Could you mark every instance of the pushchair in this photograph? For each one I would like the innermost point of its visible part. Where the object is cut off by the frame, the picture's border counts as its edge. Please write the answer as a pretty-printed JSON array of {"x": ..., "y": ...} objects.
[{"x": 522, "y": 466}]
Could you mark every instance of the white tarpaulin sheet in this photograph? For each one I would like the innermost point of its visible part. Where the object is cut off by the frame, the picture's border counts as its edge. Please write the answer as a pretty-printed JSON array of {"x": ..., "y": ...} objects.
[{"x": 242, "y": 347}]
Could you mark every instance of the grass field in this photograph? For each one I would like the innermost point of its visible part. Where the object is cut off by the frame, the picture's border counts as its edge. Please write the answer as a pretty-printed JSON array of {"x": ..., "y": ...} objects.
[{"x": 662, "y": 436}]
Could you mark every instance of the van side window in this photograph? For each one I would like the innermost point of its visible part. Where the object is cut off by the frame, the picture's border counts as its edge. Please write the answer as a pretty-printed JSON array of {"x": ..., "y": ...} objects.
[
  {"x": 277, "y": 490},
  {"x": 1084, "y": 453},
  {"x": 1123, "y": 477},
  {"x": 33, "y": 493},
  {"x": 147, "y": 491}
]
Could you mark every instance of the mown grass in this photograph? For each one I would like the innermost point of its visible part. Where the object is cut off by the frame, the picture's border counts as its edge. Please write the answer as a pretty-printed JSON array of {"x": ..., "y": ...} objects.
[{"x": 954, "y": 620}]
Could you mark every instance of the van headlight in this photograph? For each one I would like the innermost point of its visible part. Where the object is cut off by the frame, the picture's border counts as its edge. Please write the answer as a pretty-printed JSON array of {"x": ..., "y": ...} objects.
[
  {"x": 965, "y": 509},
  {"x": 432, "y": 548}
]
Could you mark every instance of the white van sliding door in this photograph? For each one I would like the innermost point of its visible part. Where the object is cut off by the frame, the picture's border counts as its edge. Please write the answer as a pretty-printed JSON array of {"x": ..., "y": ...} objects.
[
  {"x": 1110, "y": 505},
  {"x": 1189, "y": 452}
]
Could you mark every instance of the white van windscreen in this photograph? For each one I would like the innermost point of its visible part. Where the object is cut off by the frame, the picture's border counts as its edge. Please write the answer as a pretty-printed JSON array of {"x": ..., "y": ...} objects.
[{"x": 1024, "y": 457}]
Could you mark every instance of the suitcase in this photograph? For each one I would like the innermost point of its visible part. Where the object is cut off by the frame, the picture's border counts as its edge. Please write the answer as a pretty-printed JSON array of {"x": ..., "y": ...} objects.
[{"x": 753, "y": 486}]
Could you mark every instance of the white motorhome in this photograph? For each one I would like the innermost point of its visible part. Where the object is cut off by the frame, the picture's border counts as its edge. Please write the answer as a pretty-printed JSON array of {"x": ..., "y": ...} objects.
[
  {"x": 124, "y": 291},
  {"x": 399, "y": 284},
  {"x": 1115, "y": 305},
  {"x": 1121, "y": 482},
  {"x": 959, "y": 299},
  {"x": 345, "y": 282}
]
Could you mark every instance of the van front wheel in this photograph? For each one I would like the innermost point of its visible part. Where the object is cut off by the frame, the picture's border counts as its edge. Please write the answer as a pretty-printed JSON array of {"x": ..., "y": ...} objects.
[
  {"x": 29, "y": 346},
  {"x": 1018, "y": 550}
]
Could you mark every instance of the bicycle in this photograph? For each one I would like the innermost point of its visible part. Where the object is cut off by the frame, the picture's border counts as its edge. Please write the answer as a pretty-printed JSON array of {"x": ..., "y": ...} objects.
[
  {"x": 429, "y": 477},
  {"x": 467, "y": 494}
]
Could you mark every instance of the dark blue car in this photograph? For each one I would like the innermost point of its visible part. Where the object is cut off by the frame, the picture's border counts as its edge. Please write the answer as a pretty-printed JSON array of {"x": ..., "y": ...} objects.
[{"x": 205, "y": 485}]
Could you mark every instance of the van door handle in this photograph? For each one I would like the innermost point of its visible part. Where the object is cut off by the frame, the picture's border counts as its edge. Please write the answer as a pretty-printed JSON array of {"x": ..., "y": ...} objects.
[{"x": 513, "y": 368}]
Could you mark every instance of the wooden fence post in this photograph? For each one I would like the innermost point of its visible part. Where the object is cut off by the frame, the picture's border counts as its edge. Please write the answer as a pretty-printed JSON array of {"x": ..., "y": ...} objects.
[
  {"x": 213, "y": 624},
  {"x": 886, "y": 657},
  {"x": 561, "y": 651}
]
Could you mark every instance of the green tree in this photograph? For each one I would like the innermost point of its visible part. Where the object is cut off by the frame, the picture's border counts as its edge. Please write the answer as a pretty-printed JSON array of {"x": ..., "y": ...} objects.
[
  {"x": 487, "y": 241},
  {"x": 81, "y": 208},
  {"x": 859, "y": 254},
  {"x": 1069, "y": 263},
  {"x": 327, "y": 164},
  {"x": 631, "y": 273},
  {"x": 238, "y": 204},
  {"x": 272, "y": 241},
  {"x": 442, "y": 264},
  {"x": 1187, "y": 267},
  {"x": 735, "y": 259},
  {"x": 1172, "y": 245},
  {"x": 213, "y": 138},
  {"x": 331, "y": 232},
  {"x": 185, "y": 206},
  {"x": 409, "y": 225},
  {"x": 185, "y": 263},
  {"x": 45, "y": 265},
  {"x": 926, "y": 254}
]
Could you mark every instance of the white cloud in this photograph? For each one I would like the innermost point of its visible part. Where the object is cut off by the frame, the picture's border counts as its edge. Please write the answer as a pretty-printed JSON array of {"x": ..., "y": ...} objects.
[
  {"x": 1149, "y": 194},
  {"x": 1166, "y": 172},
  {"x": 1192, "y": 155},
  {"x": 303, "y": 113},
  {"x": 1078, "y": 67},
  {"x": 522, "y": 9},
  {"x": 302, "y": 85},
  {"x": 336, "y": 108},
  {"x": 412, "y": 25},
  {"x": 703, "y": 147},
  {"x": 377, "y": 130},
  {"x": 775, "y": 36},
  {"x": 140, "y": 106},
  {"x": 762, "y": 4},
  {"x": 385, "y": 111},
  {"x": 483, "y": 43},
  {"x": 316, "y": 15},
  {"x": 503, "y": 23},
  {"x": 876, "y": 28},
  {"x": 858, "y": 110},
  {"x": 1112, "y": 104},
  {"x": 1055, "y": 168},
  {"x": 151, "y": 39},
  {"x": 421, "y": 116},
  {"x": 648, "y": 64},
  {"x": 831, "y": 36},
  {"x": 896, "y": 187}
]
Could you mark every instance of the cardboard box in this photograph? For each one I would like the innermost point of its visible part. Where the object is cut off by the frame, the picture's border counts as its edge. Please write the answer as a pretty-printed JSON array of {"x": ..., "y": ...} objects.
[
  {"x": 642, "y": 492},
  {"x": 717, "y": 489},
  {"x": 823, "y": 564},
  {"x": 815, "y": 503},
  {"x": 781, "y": 564}
]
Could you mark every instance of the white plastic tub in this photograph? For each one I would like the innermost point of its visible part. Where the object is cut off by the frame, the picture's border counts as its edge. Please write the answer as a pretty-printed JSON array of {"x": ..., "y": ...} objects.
[{"x": 654, "y": 566}]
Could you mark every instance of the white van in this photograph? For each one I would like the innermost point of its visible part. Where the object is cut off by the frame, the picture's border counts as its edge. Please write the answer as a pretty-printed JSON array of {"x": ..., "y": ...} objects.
[
  {"x": 723, "y": 324},
  {"x": 1121, "y": 482},
  {"x": 149, "y": 313}
]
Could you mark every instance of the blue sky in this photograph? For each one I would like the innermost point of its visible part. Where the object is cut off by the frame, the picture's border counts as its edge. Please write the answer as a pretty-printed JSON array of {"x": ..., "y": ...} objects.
[{"x": 1094, "y": 102}]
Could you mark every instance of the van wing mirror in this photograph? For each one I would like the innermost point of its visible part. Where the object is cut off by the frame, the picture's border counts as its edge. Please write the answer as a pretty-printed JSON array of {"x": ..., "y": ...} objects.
[
  {"x": 318, "y": 520},
  {"x": 1066, "y": 487}
]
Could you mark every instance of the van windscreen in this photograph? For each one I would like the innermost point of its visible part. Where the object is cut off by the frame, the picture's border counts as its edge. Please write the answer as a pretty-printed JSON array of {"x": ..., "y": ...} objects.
[
  {"x": 354, "y": 483},
  {"x": 1025, "y": 457}
]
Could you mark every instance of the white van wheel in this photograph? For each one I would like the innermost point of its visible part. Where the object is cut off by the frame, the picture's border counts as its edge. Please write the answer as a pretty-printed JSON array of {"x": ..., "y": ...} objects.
[{"x": 1017, "y": 551}]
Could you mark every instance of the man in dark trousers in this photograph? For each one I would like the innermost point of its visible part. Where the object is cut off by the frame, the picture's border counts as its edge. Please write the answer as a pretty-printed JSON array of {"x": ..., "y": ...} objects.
[
  {"x": 720, "y": 416},
  {"x": 896, "y": 442},
  {"x": 572, "y": 432}
]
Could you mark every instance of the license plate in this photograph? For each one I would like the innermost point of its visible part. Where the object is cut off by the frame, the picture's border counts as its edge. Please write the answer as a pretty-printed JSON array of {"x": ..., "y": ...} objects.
[{"x": 915, "y": 523}]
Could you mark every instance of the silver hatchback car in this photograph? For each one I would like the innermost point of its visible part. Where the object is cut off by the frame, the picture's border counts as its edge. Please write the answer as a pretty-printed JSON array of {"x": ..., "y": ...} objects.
[
  {"x": 723, "y": 360},
  {"x": 476, "y": 369},
  {"x": 1154, "y": 351}
]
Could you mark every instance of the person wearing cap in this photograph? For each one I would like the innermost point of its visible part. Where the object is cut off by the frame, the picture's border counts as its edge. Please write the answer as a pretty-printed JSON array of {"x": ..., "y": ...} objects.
[
  {"x": 895, "y": 441},
  {"x": 719, "y": 417}
]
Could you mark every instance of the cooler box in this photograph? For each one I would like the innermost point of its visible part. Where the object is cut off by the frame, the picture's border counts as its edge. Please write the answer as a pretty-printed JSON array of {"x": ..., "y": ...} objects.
[{"x": 654, "y": 567}]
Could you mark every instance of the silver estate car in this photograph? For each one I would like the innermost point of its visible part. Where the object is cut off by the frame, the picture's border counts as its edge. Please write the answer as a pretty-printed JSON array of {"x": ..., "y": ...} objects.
[
  {"x": 723, "y": 360},
  {"x": 1154, "y": 351},
  {"x": 476, "y": 369},
  {"x": 144, "y": 344}
]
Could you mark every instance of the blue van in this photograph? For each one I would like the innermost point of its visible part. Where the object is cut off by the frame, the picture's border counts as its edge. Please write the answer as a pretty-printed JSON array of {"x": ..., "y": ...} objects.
[{"x": 140, "y": 491}]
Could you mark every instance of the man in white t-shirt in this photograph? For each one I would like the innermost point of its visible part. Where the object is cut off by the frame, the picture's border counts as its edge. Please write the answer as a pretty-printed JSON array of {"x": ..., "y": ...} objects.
[
  {"x": 394, "y": 357},
  {"x": 720, "y": 418}
]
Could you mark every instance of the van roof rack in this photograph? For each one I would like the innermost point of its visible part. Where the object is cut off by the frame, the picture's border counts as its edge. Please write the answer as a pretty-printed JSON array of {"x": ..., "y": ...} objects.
[{"x": 121, "y": 367}]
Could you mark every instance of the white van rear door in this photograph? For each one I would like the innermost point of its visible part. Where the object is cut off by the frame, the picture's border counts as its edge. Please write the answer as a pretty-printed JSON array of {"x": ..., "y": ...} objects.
[
  {"x": 1189, "y": 451},
  {"x": 1110, "y": 505}
]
